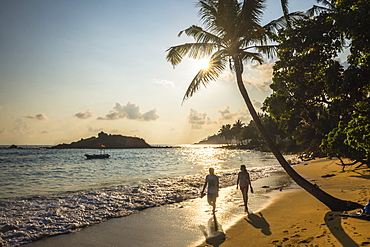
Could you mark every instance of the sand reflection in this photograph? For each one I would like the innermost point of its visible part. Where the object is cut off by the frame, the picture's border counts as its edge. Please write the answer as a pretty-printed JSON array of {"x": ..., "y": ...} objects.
[{"x": 213, "y": 233}]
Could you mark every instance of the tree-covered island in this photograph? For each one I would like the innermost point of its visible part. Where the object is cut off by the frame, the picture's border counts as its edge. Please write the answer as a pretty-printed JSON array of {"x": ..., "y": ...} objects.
[{"x": 107, "y": 141}]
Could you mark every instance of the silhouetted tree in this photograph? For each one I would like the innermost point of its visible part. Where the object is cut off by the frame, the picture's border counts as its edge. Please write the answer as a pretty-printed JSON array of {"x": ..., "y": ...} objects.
[
  {"x": 233, "y": 35},
  {"x": 225, "y": 132}
]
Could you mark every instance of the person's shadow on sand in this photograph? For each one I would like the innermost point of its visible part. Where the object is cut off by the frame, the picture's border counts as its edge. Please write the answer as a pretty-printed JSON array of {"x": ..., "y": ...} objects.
[
  {"x": 214, "y": 233},
  {"x": 259, "y": 222}
]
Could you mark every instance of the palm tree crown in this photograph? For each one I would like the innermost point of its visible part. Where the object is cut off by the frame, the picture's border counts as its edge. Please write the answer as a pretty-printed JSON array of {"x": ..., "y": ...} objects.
[
  {"x": 231, "y": 31},
  {"x": 232, "y": 35}
]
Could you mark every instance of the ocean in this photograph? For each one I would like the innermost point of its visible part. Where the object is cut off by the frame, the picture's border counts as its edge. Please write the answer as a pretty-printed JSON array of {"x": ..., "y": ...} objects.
[{"x": 46, "y": 192}]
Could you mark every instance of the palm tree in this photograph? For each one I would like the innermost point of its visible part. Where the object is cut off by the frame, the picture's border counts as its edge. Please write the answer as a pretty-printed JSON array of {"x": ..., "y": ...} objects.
[
  {"x": 237, "y": 131},
  {"x": 232, "y": 35},
  {"x": 225, "y": 132},
  {"x": 327, "y": 7}
]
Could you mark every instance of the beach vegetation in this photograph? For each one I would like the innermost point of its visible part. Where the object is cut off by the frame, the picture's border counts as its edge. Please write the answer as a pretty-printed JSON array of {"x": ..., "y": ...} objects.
[
  {"x": 323, "y": 102},
  {"x": 232, "y": 35},
  {"x": 226, "y": 133},
  {"x": 246, "y": 136}
]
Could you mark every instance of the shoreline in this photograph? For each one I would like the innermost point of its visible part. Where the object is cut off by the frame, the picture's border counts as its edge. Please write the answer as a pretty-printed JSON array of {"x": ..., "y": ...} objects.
[
  {"x": 295, "y": 218},
  {"x": 177, "y": 224}
]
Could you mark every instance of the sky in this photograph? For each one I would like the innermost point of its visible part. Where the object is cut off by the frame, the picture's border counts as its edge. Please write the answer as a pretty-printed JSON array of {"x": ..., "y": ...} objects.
[{"x": 73, "y": 68}]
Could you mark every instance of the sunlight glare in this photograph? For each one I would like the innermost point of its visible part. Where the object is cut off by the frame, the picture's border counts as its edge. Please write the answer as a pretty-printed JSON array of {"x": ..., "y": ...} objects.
[
  {"x": 207, "y": 156},
  {"x": 203, "y": 64}
]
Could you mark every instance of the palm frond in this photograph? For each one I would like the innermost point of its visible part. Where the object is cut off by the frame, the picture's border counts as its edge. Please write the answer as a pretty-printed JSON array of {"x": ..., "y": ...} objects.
[
  {"x": 217, "y": 65},
  {"x": 208, "y": 12},
  {"x": 200, "y": 35},
  {"x": 326, "y": 3},
  {"x": 227, "y": 17},
  {"x": 316, "y": 10},
  {"x": 251, "y": 13},
  {"x": 193, "y": 50},
  {"x": 269, "y": 50},
  {"x": 256, "y": 36},
  {"x": 251, "y": 56},
  {"x": 285, "y": 7},
  {"x": 282, "y": 23},
  {"x": 249, "y": 21},
  {"x": 232, "y": 29}
]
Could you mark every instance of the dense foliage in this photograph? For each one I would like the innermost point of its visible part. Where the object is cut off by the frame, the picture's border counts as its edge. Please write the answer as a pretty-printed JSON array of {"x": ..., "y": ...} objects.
[
  {"x": 232, "y": 35},
  {"x": 318, "y": 99},
  {"x": 248, "y": 136}
]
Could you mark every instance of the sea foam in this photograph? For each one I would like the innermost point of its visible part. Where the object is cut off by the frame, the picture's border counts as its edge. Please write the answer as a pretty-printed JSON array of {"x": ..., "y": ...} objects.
[{"x": 23, "y": 220}]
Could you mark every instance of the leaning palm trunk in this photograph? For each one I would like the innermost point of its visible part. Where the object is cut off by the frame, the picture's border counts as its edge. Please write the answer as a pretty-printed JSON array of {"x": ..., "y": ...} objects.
[
  {"x": 232, "y": 29},
  {"x": 331, "y": 202}
]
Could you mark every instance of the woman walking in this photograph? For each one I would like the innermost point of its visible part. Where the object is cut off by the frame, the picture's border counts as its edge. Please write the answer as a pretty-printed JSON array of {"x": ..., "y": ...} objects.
[{"x": 244, "y": 182}]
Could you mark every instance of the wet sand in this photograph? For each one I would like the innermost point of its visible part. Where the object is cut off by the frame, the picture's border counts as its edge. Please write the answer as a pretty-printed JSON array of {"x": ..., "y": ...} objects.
[
  {"x": 177, "y": 224},
  {"x": 296, "y": 218}
]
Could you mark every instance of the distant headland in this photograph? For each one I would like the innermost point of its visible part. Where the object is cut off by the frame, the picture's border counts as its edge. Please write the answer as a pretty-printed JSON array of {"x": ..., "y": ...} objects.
[{"x": 106, "y": 141}]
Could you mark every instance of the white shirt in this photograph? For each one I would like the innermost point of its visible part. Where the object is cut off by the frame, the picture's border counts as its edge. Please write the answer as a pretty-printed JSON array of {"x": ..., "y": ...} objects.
[{"x": 212, "y": 181}]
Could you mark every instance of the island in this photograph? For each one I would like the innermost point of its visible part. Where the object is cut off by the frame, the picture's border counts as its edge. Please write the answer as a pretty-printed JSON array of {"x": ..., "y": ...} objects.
[
  {"x": 106, "y": 141},
  {"x": 214, "y": 139}
]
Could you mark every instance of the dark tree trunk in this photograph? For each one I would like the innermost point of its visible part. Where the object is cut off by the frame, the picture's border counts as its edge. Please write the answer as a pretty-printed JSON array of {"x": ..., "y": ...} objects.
[{"x": 331, "y": 202}]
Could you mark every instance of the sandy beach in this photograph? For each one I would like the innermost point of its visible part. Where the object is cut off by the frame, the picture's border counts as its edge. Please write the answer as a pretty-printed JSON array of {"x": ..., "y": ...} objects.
[
  {"x": 295, "y": 218},
  {"x": 290, "y": 217},
  {"x": 179, "y": 224}
]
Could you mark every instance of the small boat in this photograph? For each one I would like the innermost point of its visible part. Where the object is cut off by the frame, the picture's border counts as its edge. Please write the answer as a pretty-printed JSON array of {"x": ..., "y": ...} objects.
[
  {"x": 102, "y": 154},
  {"x": 97, "y": 156}
]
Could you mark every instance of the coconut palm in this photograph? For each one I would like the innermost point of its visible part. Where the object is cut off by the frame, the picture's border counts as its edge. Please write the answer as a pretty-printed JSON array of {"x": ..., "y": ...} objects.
[
  {"x": 232, "y": 34},
  {"x": 237, "y": 131},
  {"x": 225, "y": 132}
]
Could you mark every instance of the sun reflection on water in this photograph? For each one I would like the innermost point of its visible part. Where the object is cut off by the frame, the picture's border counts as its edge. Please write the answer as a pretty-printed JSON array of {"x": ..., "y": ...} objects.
[
  {"x": 222, "y": 159},
  {"x": 208, "y": 156}
]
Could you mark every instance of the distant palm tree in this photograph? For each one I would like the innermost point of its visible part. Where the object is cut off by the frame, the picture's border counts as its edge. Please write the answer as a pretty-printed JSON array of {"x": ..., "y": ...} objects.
[
  {"x": 225, "y": 132},
  {"x": 232, "y": 35},
  {"x": 237, "y": 131}
]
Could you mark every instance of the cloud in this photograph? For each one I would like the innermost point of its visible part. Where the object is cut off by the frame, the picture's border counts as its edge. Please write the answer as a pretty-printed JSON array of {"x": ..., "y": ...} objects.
[
  {"x": 164, "y": 83},
  {"x": 259, "y": 76},
  {"x": 150, "y": 115},
  {"x": 241, "y": 114},
  {"x": 91, "y": 129},
  {"x": 198, "y": 120},
  {"x": 257, "y": 104},
  {"x": 40, "y": 116},
  {"x": 45, "y": 132},
  {"x": 225, "y": 113},
  {"x": 130, "y": 111},
  {"x": 2, "y": 130},
  {"x": 196, "y": 126},
  {"x": 20, "y": 127},
  {"x": 84, "y": 115}
]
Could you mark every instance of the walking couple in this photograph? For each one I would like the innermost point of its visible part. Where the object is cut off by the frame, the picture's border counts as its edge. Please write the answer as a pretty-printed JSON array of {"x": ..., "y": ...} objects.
[{"x": 243, "y": 182}]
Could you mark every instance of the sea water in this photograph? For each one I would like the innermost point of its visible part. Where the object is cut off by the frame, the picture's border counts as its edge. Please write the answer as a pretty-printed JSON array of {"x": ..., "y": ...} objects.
[{"x": 46, "y": 192}]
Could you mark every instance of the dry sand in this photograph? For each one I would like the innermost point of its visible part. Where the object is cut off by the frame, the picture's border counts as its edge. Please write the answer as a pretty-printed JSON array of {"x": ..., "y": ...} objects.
[{"x": 295, "y": 218}]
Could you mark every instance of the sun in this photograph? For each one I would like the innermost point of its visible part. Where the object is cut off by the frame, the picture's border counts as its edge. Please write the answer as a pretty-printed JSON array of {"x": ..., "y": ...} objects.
[{"x": 203, "y": 64}]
